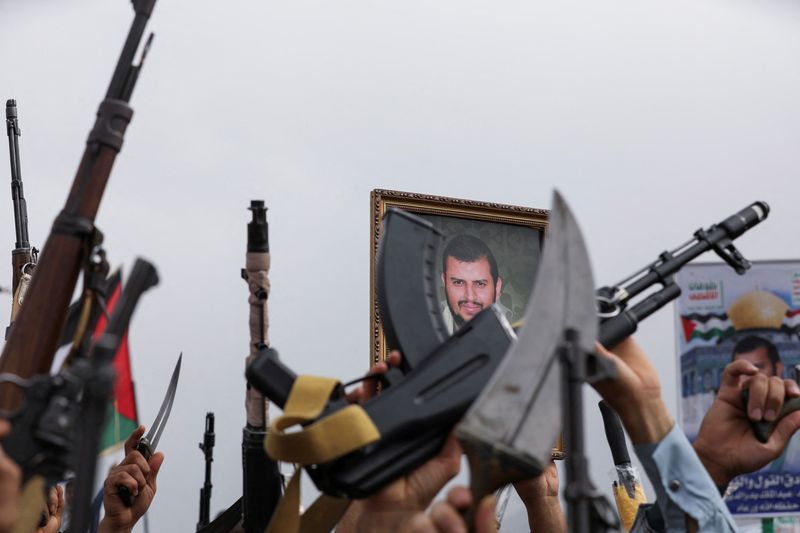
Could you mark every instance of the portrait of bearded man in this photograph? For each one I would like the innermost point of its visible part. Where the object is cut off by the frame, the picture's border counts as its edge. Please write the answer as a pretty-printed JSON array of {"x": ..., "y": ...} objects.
[{"x": 471, "y": 280}]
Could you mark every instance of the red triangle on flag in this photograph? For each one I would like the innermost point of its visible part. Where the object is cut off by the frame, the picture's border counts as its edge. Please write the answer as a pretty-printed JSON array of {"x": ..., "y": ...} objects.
[{"x": 688, "y": 327}]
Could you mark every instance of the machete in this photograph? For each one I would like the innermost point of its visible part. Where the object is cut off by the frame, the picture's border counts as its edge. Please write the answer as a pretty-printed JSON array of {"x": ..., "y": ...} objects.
[{"x": 509, "y": 432}]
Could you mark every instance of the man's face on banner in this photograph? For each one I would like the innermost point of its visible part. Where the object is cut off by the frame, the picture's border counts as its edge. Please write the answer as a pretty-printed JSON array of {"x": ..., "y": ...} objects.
[
  {"x": 760, "y": 359},
  {"x": 469, "y": 287}
]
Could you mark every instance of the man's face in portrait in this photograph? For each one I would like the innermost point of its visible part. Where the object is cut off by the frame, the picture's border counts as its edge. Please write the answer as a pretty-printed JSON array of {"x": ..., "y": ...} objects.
[
  {"x": 760, "y": 359},
  {"x": 469, "y": 287}
]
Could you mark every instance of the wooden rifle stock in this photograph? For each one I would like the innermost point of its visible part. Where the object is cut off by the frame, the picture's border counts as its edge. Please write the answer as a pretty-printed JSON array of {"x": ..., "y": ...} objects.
[{"x": 33, "y": 338}]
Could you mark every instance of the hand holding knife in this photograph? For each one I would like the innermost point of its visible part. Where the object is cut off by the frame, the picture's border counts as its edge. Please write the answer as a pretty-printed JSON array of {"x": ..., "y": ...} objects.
[{"x": 147, "y": 444}]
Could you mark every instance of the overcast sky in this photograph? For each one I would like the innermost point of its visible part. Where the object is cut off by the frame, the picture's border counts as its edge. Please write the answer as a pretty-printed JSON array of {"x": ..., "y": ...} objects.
[{"x": 653, "y": 119}]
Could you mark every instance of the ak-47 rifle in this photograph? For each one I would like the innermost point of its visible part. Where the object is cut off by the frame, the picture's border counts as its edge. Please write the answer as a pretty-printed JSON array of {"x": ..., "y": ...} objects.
[
  {"x": 261, "y": 479},
  {"x": 417, "y": 409},
  {"x": 23, "y": 256},
  {"x": 207, "y": 446},
  {"x": 34, "y": 337}
]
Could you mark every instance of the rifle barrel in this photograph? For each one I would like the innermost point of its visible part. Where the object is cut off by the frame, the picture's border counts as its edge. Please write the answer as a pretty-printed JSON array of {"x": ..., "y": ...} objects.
[{"x": 17, "y": 194}]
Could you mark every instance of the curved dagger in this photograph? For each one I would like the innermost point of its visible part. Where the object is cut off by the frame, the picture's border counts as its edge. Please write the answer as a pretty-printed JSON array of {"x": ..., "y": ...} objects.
[
  {"x": 147, "y": 444},
  {"x": 510, "y": 429}
]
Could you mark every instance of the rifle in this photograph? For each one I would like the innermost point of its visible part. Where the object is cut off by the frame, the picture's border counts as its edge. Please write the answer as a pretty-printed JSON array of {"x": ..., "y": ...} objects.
[
  {"x": 208, "y": 451},
  {"x": 94, "y": 403},
  {"x": 261, "y": 478},
  {"x": 412, "y": 415},
  {"x": 57, "y": 428},
  {"x": 23, "y": 256},
  {"x": 34, "y": 337}
]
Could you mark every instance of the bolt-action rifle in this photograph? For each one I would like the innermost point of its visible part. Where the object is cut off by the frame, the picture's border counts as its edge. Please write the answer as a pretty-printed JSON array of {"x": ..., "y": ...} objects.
[
  {"x": 418, "y": 407},
  {"x": 34, "y": 337},
  {"x": 23, "y": 256}
]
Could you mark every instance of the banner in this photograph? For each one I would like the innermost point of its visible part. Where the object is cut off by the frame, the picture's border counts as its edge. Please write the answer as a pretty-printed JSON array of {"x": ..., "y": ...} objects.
[{"x": 721, "y": 317}]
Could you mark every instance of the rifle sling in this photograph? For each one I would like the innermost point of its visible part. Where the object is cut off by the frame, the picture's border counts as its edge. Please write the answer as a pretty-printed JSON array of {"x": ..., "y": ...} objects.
[
  {"x": 342, "y": 432},
  {"x": 31, "y": 503},
  {"x": 319, "y": 442}
]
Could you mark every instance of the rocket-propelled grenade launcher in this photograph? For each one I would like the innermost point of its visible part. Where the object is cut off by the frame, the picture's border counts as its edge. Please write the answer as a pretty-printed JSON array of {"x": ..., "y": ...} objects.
[{"x": 442, "y": 376}]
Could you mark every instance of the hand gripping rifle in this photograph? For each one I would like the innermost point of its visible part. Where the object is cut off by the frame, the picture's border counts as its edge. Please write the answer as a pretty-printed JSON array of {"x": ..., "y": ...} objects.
[
  {"x": 34, "y": 337},
  {"x": 23, "y": 257},
  {"x": 418, "y": 408}
]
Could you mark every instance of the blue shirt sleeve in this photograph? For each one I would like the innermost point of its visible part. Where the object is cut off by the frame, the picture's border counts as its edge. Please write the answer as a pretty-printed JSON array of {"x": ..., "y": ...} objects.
[{"x": 682, "y": 485}]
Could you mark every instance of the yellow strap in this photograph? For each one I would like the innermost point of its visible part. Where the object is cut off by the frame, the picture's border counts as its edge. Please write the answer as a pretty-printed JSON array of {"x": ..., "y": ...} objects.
[
  {"x": 286, "y": 517},
  {"x": 31, "y": 505},
  {"x": 334, "y": 436},
  {"x": 322, "y": 516}
]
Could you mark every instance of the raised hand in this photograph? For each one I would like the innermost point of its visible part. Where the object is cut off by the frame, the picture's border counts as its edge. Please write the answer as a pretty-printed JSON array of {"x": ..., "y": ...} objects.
[
  {"x": 139, "y": 476},
  {"x": 725, "y": 443}
]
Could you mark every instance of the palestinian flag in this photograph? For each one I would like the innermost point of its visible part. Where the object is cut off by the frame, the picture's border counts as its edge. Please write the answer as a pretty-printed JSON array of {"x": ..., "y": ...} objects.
[
  {"x": 121, "y": 415},
  {"x": 705, "y": 327}
]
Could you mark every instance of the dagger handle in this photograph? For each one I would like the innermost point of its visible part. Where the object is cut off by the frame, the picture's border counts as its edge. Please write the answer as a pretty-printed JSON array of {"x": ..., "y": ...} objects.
[{"x": 143, "y": 447}]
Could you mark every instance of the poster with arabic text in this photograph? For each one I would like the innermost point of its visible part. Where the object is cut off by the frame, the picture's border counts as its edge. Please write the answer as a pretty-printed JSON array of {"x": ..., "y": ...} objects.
[{"x": 722, "y": 316}]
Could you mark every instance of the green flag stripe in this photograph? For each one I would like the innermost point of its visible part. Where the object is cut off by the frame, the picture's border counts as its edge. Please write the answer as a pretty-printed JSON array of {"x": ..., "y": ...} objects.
[
  {"x": 710, "y": 334},
  {"x": 118, "y": 428}
]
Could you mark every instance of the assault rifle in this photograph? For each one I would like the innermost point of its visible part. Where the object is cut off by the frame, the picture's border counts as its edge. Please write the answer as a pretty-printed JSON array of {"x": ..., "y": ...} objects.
[
  {"x": 23, "y": 256},
  {"x": 441, "y": 379},
  {"x": 34, "y": 337},
  {"x": 207, "y": 446},
  {"x": 261, "y": 480},
  {"x": 57, "y": 428}
]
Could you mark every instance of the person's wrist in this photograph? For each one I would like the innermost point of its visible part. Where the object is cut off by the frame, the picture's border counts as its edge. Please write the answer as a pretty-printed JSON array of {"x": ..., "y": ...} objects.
[
  {"x": 720, "y": 475},
  {"x": 106, "y": 526},
  {"x": 647, "y": 421}
]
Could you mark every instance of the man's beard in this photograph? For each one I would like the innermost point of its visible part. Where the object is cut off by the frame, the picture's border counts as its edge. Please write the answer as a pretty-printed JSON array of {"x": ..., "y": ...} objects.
[{"x": 457, "y": 319}]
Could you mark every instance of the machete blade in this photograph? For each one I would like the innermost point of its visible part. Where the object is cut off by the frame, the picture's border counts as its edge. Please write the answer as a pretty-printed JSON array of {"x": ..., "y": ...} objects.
[{"x": 510, "y": 430}]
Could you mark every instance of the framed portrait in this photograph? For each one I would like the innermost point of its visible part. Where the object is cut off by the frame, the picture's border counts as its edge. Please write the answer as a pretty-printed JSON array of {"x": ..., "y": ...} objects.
[
  {"x": 493, "y": 251},
  {"x": 490, "y": 255}
]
